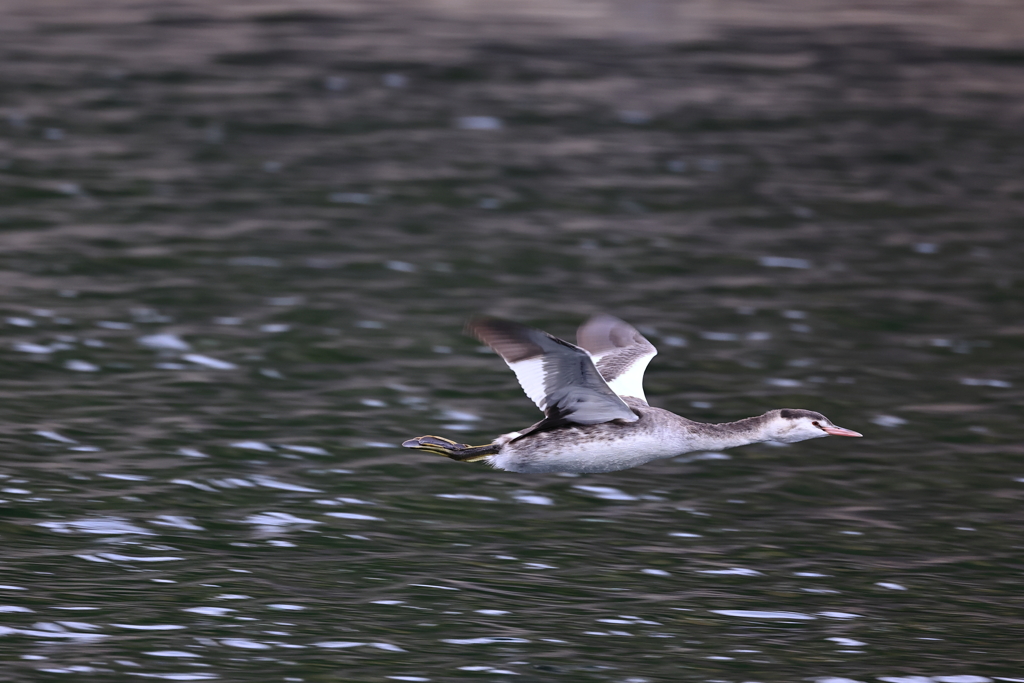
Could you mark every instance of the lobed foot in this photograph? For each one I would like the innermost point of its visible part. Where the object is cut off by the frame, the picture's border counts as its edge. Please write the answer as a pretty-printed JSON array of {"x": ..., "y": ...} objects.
[{"x": 462, "y": 452}]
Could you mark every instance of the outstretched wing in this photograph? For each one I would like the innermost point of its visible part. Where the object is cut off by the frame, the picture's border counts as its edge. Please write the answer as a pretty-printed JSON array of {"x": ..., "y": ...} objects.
[
  {"x": 619, "y": 351},
  {"x": 559, "y": 377}
]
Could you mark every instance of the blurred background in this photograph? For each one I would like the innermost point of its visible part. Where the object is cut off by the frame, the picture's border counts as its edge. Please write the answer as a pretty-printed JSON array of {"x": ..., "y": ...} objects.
[{"x": 239, "y": 241}]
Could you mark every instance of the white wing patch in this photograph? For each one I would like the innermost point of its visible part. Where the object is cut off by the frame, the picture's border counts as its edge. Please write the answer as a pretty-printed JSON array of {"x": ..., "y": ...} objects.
[
  {"x": 530, "y": 373},
  {"x": 559, "y": 377},
  {"x": 620, "y": 353},
  {"x": 631, "y": 382}
]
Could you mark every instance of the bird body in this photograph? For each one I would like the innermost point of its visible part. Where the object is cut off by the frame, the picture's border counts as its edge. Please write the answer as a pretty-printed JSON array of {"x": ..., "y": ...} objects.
[{"x": 597, "y": 418}]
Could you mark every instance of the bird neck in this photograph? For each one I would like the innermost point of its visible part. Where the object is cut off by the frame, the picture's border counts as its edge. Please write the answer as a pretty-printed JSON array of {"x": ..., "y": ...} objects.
[{"x": 730, "y": 434}]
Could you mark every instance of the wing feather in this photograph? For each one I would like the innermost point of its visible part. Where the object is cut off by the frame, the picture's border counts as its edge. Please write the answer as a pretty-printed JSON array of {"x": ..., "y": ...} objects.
[
  {"x": 620, "y": 352},
  {"x": 559, "y": 377}
]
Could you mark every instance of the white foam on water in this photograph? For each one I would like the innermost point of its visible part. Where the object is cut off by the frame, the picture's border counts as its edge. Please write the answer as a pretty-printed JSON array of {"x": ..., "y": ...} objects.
[
  {"x": 466, "y": 496},
  {"x": 152, "y": 627}
]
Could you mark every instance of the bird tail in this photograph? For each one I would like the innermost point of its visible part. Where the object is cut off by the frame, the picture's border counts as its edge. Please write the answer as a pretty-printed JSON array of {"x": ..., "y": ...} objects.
[{"x": 462, "y": 452}]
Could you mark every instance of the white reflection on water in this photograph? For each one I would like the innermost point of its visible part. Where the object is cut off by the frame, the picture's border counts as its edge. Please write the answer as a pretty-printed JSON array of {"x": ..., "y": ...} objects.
[
  {"x": 734, "y": 571},
  {"x": 484, "y": 641},
  {"x": 605, "y": 492},
  {"x": 176, "y": 522},
  {"x": 466, "y": 496},
  {"x": 341, "y": 644},
  {"x": 114, "y": 557},
  {"x": 125, "y": 477},
  {"x": 353, "y": 515},
  {"x": 275, "y": 484},
  {"x": 210, "y": 611},
  {"x": 273, "y": 520},
  {"x": 166, "y": 341},
  {"x": 309, "y": 450},
  {"x": 96, "y": 525},
  {"x": 54, "y": 436},
  {"x": 208, "y": 362},
  {"x": 531, "y": 498},
  {"x": 757, "y": 614},
  {"x": 253, "y": 446},
  {"x": 44, "y": 630}
]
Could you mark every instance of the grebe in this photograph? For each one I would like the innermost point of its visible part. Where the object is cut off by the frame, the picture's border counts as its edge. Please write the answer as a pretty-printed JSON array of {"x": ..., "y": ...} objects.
[{"x": 596, "y": 417}]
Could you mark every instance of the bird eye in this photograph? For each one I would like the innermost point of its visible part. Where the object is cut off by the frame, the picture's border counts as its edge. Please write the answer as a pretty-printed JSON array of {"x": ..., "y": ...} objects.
[{"x": 815, "y": 423}]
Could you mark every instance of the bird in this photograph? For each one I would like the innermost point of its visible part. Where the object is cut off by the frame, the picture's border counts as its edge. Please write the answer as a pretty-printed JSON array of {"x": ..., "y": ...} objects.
[{"x": 596, "y": 416}]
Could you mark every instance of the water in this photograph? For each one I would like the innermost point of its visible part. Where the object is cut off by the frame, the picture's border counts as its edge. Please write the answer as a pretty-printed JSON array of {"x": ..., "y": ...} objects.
[{"x": 231, "y": 290}]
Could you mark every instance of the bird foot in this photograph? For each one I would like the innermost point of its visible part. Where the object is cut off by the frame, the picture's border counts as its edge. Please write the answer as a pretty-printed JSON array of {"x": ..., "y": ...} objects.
[{"x": 462, "y": 452}]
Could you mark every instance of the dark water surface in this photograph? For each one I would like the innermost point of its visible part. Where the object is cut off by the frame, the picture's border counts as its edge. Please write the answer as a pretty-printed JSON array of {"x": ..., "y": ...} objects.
[{"x": 237, "y": 251}]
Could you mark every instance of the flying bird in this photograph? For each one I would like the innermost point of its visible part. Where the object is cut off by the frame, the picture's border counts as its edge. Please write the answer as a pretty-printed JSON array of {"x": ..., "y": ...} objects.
[{"x": 596, "y": 416}]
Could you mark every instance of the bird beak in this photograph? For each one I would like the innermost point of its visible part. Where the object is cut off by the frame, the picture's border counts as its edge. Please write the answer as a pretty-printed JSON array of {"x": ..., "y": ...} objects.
[{"x": 839, "y": 431}]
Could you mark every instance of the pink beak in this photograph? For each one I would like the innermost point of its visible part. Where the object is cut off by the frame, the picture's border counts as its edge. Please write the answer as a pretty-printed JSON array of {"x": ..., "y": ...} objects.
[{"x": 839, "y": 431}]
